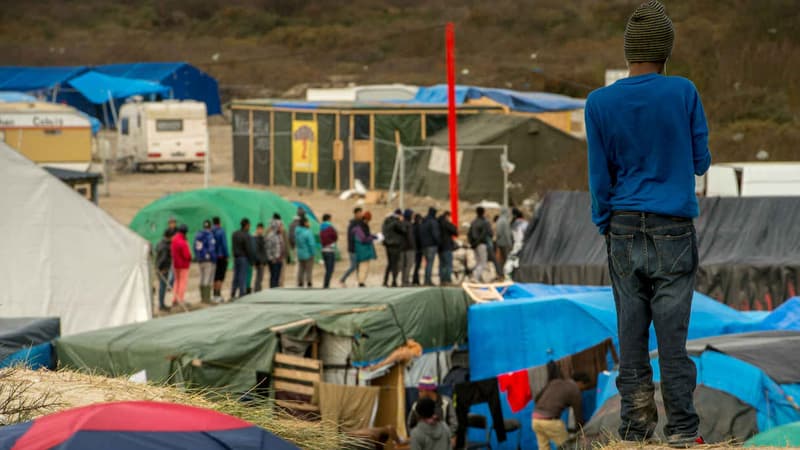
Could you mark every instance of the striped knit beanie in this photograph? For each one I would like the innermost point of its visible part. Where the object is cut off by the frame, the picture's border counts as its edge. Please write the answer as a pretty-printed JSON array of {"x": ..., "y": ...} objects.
[
  {"x": 649, "y": 34},
  {"x": 427, "y": 383}
]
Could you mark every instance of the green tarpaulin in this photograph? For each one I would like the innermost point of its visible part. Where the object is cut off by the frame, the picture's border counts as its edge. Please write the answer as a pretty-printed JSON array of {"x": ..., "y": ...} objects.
[
  {"x": 231, "y": 205},
  {"x": 235, "y": 341},
  {"x": 785, "y": 436}
]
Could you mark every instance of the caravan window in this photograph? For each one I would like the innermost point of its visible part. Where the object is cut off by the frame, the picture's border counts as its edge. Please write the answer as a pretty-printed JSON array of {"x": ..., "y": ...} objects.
[
  {"x": 123, "y": 126},
  {"x": 169, "y": 125}
]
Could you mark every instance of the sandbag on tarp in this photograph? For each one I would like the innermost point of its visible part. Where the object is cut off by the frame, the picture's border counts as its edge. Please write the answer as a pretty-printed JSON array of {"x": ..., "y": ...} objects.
[
  {"x": 749, "y": 248},
  {"x": 26, "y": 340}
]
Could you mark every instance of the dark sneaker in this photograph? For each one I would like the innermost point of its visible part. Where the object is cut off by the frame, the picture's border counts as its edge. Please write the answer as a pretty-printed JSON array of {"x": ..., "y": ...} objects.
[{"x": 685, "y": 441}]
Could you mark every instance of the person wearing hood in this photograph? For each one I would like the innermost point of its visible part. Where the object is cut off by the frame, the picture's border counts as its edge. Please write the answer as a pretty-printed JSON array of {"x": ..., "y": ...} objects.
[
  {"x": 430, "y": 234},
  {"x": 306, "y": 249},
  {"x": 276, "y": 251},
  {"x": 394, "y": 237},
  {"x": 409, "y": 249},
  {"x": 364, "y": 247},
  {"x": 430, "y": 433},
  {"x": 480, "y": 238},
  {"x": 351, "y": 245},
  {"x": 164, "y": 267},
  {"x": 503, "y": 239},
  {"x": 242, "y": 258},
  {"x": 261, "y": 256},
  {"x": 449, "y": 232},
  {"x": 416, "y": 228},
  {"x": 205, "y": 254},
  {"x": 181, "y": 260},
  {"x": 328, "y": 238}
]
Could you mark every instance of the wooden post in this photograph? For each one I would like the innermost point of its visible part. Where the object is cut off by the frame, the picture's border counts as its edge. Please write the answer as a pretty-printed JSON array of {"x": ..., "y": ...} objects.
[
  {"x": 251, "y": 145},
  {"x": 352, "y": 140},
  {"x": 423, "y": 126},
  {"x": 338, "y": 166},
  {"x": 272, "y": 148},
  {"x": 372, "y": 156},
  {"x": 291, "y": 149},
  {"x": 315, "y": 157}
]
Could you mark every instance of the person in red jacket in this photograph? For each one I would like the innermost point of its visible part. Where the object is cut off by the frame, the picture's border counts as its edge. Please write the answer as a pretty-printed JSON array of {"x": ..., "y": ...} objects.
[{"x": 181, "y": 259}]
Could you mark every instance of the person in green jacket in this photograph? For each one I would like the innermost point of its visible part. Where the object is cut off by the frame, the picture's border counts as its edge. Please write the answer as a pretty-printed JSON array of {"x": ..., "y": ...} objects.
[{"x": 306, "y": 249}]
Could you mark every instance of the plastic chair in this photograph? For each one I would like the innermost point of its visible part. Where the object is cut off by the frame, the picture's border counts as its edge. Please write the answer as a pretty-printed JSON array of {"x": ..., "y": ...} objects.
[
  {"x": 512, "y": 425},
  {"x": 479, "y": 421}
]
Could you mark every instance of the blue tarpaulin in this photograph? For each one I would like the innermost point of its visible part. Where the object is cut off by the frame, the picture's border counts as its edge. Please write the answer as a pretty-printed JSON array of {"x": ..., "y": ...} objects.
[
  {"x": 30, "y": 79},
  {"x": 532, "y": 102},
  {"x": 99, "y": 88},
  {"x": 15, "y": 97}
]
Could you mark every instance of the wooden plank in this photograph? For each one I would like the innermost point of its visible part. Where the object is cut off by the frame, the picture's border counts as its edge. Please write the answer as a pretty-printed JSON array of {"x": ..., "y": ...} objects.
[
  {"x": 252, "y": 163},
  {"x": 352, "y": 139},
  {"x": 294, "y": 387},
  {"x": 372, "y": 160},
  {"x": 423, "y": 126},
  {"x": 297, "y": 375},
  {"x": 287, "y": 404},
  {"x": 291, "y": 360},
  {"x": 316, "y": 155},
  {"x": 290, "y": 325},
  {"x": 272, "y": 148},
  {"x": 338, "y": 162},
  {"x": 291, "y": 149}
]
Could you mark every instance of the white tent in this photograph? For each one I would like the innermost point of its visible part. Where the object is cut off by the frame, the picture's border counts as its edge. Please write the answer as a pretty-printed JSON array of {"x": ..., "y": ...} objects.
[{"x": 60, "y": 255}]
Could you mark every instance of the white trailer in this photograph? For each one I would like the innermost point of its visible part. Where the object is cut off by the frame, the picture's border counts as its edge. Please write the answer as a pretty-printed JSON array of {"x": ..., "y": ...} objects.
[
  {"x": 751, "y": 179},
  {"x": 166, "y": 132}
]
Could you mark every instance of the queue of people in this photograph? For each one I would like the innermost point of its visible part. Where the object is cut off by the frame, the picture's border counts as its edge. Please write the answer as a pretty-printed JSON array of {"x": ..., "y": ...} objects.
[{"x": 408, "y": 239}]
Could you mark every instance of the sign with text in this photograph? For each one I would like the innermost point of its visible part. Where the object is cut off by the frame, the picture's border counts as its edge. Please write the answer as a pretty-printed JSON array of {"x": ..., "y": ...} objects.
[{"x": 305, "y": 146}]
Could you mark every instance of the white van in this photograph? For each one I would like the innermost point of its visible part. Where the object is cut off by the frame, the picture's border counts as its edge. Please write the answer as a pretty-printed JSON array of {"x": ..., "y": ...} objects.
[
  {"x": 751, "y": 179},
  {"x": 166, "y": 132}
]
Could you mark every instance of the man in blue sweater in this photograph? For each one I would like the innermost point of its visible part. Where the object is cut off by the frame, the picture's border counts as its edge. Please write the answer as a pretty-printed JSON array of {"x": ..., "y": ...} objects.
[{"x": 648, "y": 138}]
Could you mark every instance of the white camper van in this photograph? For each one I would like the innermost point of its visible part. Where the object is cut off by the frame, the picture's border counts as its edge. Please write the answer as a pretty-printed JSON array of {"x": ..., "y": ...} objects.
[
  {"x": 167, "y": 132},
  {"x": 751, "y": 179}
]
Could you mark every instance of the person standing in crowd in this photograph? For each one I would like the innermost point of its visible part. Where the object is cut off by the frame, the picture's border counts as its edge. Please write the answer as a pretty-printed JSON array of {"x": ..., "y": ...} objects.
[
  {"x": 364, "y": 247},
  {"x": 221, "y": 251},
  {"x": 430, "y": 433},
  {"x": 164, "y": 266},
  {"x": 276, "y": 251},
  {"x": 293, "y": 239},
  {"x": 642, "y": 183},
  {"x": 480, "y": 237},
  {"x": 306, "y": 249},
  {"x": 242, "y": 256},
  {"x": 181, "y": 260},
  {"x": 518, "y": 228},
  {"x": 430, "y": 237},
  {"x": 417, "y": 229},
  {"x": 261, "y": 257},
  {"x": 351, "y": 245},
  {"x": 557, "y": 395},
  {"x": 446, "y": 246},
  {"x": 444, "y": 408},
  {"x": 409, "y": 249},
  {"x": 172, "y": 226},
  {"x": 206, "y": 256},
  {"x": 328, "y": 237},
  {"x": 504, "y": 240},
  {"x": 393, "y": 238}
]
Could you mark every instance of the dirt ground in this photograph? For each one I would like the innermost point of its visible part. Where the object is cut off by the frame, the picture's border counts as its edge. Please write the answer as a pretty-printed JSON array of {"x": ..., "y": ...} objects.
[{"x": 127, "y": 193}]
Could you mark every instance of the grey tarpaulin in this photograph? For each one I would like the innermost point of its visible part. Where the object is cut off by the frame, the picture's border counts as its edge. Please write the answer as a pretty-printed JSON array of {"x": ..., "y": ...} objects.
[
  {"x": 749, "y": 248},
  {"x": 21, "y": 332}
]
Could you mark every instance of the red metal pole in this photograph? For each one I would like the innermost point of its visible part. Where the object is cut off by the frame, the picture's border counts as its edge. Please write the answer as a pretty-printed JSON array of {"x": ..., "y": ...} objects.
[{"x": 450, "y": 42}]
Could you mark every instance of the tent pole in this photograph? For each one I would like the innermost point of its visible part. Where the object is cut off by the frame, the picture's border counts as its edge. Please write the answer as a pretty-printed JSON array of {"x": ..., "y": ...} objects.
[
  {"x": 505, "y": 178},
  {"x": 113, "y": 108},
  {"x": 451, "y": 118},
  {"x": 206, "y": 163},
  {"x": 250, "y": 146},
  {"x": 402, "y": 166}
]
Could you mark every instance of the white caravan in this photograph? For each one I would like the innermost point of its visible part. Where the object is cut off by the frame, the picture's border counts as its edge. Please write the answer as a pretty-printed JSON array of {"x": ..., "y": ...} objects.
[
  {"x": 166, "y": 132},
  {"x": 751, "y": 179}
]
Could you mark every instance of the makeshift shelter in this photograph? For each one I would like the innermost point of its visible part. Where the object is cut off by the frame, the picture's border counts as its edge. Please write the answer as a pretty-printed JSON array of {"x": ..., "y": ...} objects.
[
  {"x": 749, "y": 385},
  {"x": 328, "y": 145},
  {"x": 231, "y": 205},
  {"x": 85, "y": 183},
  {"x": 62, "y": 256},
  {"x": 39, "y": 80},
  {"x": 749, "y": 248},
  {"x": 184, "y": 80},
  {"x": 146, "y": 425},
  {"x": 540, "y": 323},
  {"x": 534, "y": 147},
  {"x": 26, "y": 341},
  {"x": 783, "y": 436}
]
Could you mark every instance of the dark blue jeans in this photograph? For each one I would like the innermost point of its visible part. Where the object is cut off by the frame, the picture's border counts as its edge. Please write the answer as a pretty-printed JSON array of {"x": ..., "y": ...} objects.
[
  {"x": 652, "y": 260},
  {"x": 353, "y": 267},
  {"x": 240, "y": 267},
  {"x": 446, "y": 266},
  {"x": 162, "y": 287},
  {"x": 330, "y": 261},
  {"x": 430, "y": 256},
  {"x": 275, "y": 274}
]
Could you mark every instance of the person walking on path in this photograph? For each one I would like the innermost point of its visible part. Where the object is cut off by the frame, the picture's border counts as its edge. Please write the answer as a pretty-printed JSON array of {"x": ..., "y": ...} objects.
[
  {"x": 276, "y": 251},
  {"x": 351, "y": 245},
  {"x": 306, "y": 249},
  {"x": 446, "y": 247},
  {"x": 261, "y": 257},
  {"x": 648, "y": 138},
  {"x": 430, "y": 235},
  {"x": 164, "y": 267},
  {"x": 416, "y": 228},
  {"x": 206, "y": 256},
  {"x": 181, "y": 260},
  {"x": 504, "y": 241},
  {"x": 480, "y": 237},
  {"x": 221, "y": 250},
  {"x": 393, "y": 239},
  {"x": 409, "y": 249},
  {"x": 242, "y": 256},
  {"x": 328, "y": 237},
  {"x": 364, "y": 247}
]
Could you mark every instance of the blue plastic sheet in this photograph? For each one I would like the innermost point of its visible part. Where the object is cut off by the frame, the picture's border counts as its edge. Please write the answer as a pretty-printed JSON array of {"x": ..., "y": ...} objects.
[
  {"x": 99, "y": 88},
  {"x": 533, "y": 102}
]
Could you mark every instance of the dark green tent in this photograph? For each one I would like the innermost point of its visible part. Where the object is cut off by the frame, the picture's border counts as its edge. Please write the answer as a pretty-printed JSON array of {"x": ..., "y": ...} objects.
[
  {"x": 224, "y": 347},
  {"x": 784, "y": 436},
  {"x": 536, "y": 149}
]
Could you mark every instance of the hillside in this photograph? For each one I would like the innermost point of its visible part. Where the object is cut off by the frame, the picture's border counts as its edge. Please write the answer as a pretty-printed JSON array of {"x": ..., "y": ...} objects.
[{"x": 742, "y": 54}]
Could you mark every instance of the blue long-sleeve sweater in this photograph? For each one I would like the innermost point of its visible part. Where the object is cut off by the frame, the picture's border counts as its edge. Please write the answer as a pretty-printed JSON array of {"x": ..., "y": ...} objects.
[{"x": 647, "y": 139}]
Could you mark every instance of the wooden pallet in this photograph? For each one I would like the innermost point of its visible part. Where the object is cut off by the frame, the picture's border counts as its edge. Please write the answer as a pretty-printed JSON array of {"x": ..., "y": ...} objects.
[{"x": 294, "y": 377}]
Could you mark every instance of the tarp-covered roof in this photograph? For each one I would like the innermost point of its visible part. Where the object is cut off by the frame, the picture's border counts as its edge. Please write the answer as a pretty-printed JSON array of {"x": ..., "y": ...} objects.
[
  {"x": 480, "y": 129},
  {"x": 16, "y": 97},
  {"x": 235, "y": 341},
  {"x": 749, "y": 247},
  {"x": 99, "y": 88},
  {"x": 532, "y": 102},
  {"x": 26, "y": 79}
]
